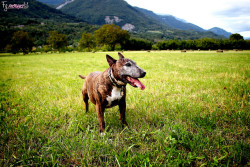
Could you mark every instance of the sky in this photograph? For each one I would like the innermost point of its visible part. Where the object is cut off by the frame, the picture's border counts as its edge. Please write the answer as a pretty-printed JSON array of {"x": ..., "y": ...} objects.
[{"x": 230, "y": 15}]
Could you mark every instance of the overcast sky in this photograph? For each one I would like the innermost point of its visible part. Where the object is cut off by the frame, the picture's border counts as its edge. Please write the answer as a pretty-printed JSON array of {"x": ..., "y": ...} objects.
[{"x": 231, "y": 15}]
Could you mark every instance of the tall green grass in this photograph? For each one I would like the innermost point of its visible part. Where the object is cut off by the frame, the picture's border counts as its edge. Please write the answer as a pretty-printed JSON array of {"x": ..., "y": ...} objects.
[{"x": 193, "y": 112}]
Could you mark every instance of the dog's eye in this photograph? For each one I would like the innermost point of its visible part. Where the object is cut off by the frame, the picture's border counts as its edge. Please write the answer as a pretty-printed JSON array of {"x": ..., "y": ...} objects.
[{"x": 128, "y": 64}]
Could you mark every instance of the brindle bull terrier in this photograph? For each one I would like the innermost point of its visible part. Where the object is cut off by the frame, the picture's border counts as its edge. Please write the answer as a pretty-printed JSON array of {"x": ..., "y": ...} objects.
[{"x": 108, "y": 89}]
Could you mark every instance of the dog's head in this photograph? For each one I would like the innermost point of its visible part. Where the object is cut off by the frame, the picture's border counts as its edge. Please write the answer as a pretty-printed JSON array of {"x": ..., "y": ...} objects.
[{"x": 126, "y": 71}]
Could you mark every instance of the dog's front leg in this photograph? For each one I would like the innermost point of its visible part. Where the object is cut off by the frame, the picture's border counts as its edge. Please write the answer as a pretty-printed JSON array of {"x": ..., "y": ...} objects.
[
  {"x": 100, "y": 115},
  {"x": 122, "y": 108}
]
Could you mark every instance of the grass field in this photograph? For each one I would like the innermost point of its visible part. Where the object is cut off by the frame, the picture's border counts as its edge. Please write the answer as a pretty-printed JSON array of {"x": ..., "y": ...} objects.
[{"x": 193, "y": 112}]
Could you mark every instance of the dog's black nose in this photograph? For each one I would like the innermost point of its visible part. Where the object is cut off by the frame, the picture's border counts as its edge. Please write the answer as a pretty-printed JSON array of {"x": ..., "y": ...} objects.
[{"x": 143, "y": 74}]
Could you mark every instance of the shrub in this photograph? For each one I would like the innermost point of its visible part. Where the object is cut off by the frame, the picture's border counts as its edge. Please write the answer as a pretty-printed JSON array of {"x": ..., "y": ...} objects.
[{"x": 20, "y": 42}]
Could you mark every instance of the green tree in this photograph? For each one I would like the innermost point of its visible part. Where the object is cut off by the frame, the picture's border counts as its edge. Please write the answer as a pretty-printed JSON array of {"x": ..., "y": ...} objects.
[
  {"x": 207, "y": 43},
  {"x": 87, "y": 41},
  {"x": 236, "y": 37},
  {"x": 111, "y": 35},
  {"x": 57, "y": 41},
  {"x": 46, "y": 48},
  {"x": 237, "y": 41},
  {"x": 21, "y": 42},
  {"x": 138, "y": 44}
]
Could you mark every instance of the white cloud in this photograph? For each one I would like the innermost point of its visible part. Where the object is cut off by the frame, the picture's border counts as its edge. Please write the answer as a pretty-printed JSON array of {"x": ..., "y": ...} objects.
[
  {"x": 231, "y": 15},
  {"x": 245, "y": 34}
]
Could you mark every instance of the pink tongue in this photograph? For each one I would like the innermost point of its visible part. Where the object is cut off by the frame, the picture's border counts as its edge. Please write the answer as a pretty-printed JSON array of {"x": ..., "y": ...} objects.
[{"x": 137, "y": 83}]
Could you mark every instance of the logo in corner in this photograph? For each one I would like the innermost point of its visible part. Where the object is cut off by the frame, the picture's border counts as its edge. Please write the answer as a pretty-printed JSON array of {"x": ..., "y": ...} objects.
[{"x": 7, "y": 6}]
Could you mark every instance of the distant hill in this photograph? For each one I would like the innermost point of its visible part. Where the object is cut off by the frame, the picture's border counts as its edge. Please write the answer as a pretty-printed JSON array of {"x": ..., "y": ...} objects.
[
  {"x": 52, "y": 2},
  {"x": 176, "y": 23},
  {"x": 35, "y": 10},
  {"x": 220, "y": 31},
  {"x": 64, "y": 4},
  {"x": 118, "y": 12},
  {"x": 170, "y": 21},
  {"x": 38, "y": 19},
  {"x": 144, "y": 23}
]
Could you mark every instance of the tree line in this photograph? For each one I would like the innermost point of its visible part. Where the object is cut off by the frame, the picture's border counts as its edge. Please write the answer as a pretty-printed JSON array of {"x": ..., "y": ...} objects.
[
  {"x": 235, "y": 41},
  {"x": 111, "y": 37}
]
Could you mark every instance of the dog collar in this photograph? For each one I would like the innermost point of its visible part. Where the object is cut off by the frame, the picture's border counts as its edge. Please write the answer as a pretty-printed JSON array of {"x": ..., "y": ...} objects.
[{"x": 113, "y": 80}]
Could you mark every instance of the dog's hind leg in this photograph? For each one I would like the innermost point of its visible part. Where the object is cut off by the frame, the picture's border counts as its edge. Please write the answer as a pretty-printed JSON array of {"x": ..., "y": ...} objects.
[
  {"x": 85, "y": 94},
  {"x": 85, "y": 99}
]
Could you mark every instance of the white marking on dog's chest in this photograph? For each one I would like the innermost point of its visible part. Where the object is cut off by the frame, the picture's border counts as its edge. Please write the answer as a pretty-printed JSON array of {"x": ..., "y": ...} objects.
[{"x": 115, "y": 95}]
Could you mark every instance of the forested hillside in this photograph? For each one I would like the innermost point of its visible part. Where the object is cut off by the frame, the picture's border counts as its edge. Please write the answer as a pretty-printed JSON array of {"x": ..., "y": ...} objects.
[
  {"x": 118, "y": 12},
  {"x": 35, "y": 11},
  {"x": 38, "y": 19},
  {"x": 140, "y": 22},
  {"x": 52, "y": 2},
  {"x": 220, "y": 31}
]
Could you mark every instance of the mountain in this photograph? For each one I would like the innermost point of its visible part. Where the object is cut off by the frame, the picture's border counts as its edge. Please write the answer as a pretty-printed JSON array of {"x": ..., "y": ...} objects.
[
  {"x": 220, "y": 31},
  {"x": 118, "y": 12},
  {"x": 143, "y": 22},
  {"x": 34, "y": 10},
  {"x": 176, "y": 23},
  {"x": 52, "y": 2},
  {"x": 58, "y": 4},
  {"x": 170, "y": 21},
  {"x": 38, "y": 19},
  {"x": 64, "y": 4}
]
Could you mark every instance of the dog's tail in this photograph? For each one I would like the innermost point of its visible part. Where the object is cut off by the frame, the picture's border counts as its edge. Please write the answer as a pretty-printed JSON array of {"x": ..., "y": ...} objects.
[{"x": 83, "y": 77}]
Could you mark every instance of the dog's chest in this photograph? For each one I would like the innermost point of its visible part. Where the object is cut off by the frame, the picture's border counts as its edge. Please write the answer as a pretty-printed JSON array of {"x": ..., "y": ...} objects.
[{"x": 116, "y": 95}]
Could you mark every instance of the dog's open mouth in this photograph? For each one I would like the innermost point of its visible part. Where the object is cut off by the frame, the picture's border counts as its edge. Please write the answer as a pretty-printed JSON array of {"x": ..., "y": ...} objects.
[{"x": 135, "y": 82}]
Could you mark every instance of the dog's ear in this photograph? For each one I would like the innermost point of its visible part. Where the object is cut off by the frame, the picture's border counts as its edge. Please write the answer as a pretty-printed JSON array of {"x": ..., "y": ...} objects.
[
  {"x": 120, "y": 55},
  {"x": 110, "y": 60}
]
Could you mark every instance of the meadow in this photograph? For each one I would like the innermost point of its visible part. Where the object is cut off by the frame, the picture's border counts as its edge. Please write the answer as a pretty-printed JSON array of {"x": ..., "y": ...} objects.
[{"x": 193, "y": 112}]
